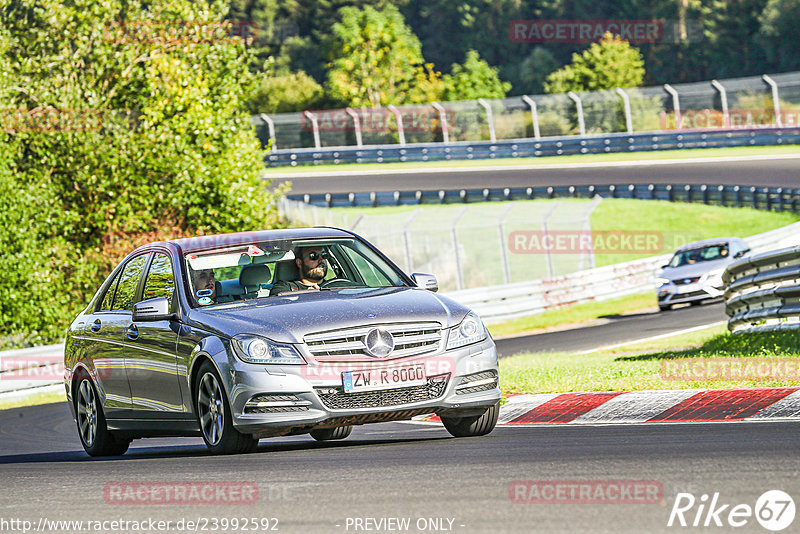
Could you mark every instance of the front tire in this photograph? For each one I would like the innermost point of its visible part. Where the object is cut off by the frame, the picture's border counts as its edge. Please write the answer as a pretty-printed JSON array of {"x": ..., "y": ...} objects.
[
  {"x": 214, "y": 416},
  {"x": 92, "y": 428},
  {"x": 475, "y": 425},
  {"x": 329, "y": 434}
]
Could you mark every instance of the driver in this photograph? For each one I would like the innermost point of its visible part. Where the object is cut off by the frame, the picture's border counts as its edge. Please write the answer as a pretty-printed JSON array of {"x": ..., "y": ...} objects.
[
  {"x": 312, "y": 266},
  {"x": 204, "y": 284}
]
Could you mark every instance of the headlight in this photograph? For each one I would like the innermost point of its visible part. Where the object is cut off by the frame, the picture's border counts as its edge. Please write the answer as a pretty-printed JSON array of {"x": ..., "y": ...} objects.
[
  {"x": 661, "y": 281},
  {"x": 471, "y": 330},
  {"x": 255, "y": 349}
]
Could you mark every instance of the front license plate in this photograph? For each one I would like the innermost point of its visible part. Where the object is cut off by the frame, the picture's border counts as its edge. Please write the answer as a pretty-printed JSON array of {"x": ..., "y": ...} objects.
[{"x": 392, "y": 377}]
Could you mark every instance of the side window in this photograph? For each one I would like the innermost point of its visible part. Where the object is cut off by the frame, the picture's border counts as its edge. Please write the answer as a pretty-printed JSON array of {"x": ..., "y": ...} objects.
[
  {"x": 126, "y": 289},
  {"x": 160, "y": 280},
  {"x": 108, "y": 299},
  {"x": 372, "y": 276}
]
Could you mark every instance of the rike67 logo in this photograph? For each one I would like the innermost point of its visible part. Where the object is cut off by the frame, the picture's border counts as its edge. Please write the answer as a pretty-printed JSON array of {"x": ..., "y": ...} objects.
[{"x": 774, "y": 510}]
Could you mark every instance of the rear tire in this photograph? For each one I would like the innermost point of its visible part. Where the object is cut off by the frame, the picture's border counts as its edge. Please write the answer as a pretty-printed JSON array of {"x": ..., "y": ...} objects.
[
  {"x": 665, "y": 308},
  {"x": 330, "y": 434},
  {"x": 92, "y": 428},
  {"x": 214, "y": 415},
  {"x": 470, "y": 426}
]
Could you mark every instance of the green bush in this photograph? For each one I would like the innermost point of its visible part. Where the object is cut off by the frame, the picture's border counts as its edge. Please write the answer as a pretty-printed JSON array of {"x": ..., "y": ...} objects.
[{"x": 144, "y": 137}]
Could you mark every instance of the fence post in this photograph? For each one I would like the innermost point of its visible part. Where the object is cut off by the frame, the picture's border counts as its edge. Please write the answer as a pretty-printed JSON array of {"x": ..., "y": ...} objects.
[
  {"x": 503, "y": 252},
  {"x": 676, "y": 105},
  {"x": 406, "y": 243},
  {"x": 489, "y": 118},
  {"x": 456, "y": 255},
  {"x": 315, "y": 126},
  {"x": 356, "y": 125},
  {"x": 545, "y": 239},
  {"x": 401, "y": 134},
  {"x": 442, "y": 117},
  {"x": 534, "y": 115},
  {"x": 775, "y": 99},
  {"x": 626, "y": 102},
  {"x": 273, "y": 141},
  {"x": 723, "y": 95},
  {"x": 579, "y": 106}
]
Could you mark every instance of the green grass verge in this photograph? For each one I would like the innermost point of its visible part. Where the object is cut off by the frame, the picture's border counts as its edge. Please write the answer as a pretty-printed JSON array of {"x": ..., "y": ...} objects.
[
  {"x": 548, "y": 160},
  {"x": 578, "y": 313},
  {"x": 679, "y": 223},
  {"x": 711, "y": 359},
  {"x": 33, "y": 400}
]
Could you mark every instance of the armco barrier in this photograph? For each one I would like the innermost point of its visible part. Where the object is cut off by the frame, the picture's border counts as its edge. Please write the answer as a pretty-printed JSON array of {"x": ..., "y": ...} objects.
[
  {"x": 499, "y": 303},
  {"x": 523, "y": 148},
  {"x": 765, "y": 198},
  {"x": 31, "y": 370},
  {"x": 763, "y": 291}
]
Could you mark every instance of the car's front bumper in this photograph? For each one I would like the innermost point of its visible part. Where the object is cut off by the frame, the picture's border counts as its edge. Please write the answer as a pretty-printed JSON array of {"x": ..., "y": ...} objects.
[
  {"x": 669, "y": 294},
  {"x": 294, "y": 399}
]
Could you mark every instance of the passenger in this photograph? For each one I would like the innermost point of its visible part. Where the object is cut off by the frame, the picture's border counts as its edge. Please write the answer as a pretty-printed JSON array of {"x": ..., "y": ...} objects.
[{"x": 312, "y": 267}]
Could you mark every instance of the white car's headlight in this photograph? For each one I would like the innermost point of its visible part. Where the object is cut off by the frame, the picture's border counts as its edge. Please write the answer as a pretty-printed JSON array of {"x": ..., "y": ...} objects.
[
  {"x": 471, "y": 330},
  {"x": 662, "y": 281},
  {"x": 256, "y": 349}
]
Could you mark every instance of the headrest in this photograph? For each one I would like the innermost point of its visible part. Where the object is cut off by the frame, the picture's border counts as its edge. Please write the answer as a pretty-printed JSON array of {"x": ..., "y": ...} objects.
[
  {"x": 253, "y": 275},
  {"x": 286, "y": 270}
]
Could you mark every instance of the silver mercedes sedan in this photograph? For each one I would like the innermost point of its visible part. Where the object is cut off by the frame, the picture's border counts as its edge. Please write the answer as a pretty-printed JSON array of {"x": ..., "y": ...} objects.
[{"x": 252, "y": 335}]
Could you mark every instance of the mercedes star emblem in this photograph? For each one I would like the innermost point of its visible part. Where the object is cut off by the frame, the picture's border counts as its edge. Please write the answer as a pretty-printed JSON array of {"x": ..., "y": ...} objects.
[{"x": 379, "y": 342}]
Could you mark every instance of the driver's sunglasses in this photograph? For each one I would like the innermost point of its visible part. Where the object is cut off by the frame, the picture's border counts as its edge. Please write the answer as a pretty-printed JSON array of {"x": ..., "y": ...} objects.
[{"x": 314, "y": 256}]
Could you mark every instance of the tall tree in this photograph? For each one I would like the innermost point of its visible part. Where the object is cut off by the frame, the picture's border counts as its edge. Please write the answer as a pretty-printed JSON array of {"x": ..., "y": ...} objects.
[
  {"x": 376, "y": 60},
  {"x": 611, "y": 63}
]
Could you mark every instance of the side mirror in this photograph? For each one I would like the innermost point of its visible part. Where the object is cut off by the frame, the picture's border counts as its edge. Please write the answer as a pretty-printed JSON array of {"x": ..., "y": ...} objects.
[
  {"x": 740, "y": 254},
  {"x": 664, "y": 266},
  {"x": 155, "y": 309},
  {"x": 426, "y": 281}
]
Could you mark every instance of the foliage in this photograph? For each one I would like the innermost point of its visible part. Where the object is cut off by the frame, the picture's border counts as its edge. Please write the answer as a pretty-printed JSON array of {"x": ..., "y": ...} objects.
[
  {"x": 376, "y": 60},
  {"x": 145, "y": 137},
  {"x": 534, "y": 70},
  {"x": 474, "y": 79},
  {"x": 610, "y": 63},
  {"x": 779, "y": 22},
  {"x": 294, "y": 91}
]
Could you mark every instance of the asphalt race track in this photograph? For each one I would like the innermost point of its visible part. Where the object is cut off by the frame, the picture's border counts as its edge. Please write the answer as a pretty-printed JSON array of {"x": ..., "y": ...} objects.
[
  {"x": 618, "y": 329},
  {"x": 413, "y": 471},
  {"x": 772, "y": 173}
]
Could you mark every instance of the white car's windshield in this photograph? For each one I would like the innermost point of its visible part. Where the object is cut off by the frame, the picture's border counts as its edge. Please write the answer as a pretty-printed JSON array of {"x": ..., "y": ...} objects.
[
  {"x": 265, "y": 269},
  {"x": 698, "y": 255}
]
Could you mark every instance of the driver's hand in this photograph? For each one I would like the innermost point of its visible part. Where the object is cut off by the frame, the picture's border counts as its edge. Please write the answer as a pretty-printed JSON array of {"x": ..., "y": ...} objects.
[{"x": 314, "y": 286}]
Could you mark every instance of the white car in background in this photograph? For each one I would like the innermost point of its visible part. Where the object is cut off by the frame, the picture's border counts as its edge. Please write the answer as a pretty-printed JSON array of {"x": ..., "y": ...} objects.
[{"x": 694, "y": 273}]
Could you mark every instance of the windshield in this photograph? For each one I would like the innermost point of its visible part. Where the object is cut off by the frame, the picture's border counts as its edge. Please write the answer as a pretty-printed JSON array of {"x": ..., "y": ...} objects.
[
  {"x": 266, "y": 269},
  {"x": 698, "y": 255}
]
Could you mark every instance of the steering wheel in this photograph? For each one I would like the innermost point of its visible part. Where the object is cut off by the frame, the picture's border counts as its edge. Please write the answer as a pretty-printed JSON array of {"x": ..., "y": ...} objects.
[{"x": 336, "y": 282}]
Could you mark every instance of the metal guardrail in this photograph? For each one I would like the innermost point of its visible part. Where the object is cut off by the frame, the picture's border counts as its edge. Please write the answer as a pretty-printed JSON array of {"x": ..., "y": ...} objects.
[
  {"x": 31, "y": 370},
  {"x": 499, "y": 303},
  {"x": 763, "y": 291},
  {"x": 523, "y": 148},
  {"x": 764, "y": 198}
]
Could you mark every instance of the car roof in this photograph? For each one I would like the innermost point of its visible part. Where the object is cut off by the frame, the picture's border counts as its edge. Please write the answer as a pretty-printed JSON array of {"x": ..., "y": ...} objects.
[
  {"x": 192, "y": 244},
  {"x": 711, "y": 242}
]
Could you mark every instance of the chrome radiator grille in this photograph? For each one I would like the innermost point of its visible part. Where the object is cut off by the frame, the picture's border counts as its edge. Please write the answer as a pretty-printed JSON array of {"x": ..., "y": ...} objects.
[
  {"x": 409, "y": 340},
  {"x": 339, "y": 400}
]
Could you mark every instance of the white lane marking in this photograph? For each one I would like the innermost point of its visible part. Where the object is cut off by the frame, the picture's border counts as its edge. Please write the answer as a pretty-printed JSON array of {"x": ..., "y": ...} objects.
[
  {"x": 787, "y": 407},
  {"x": 531, "y": 167},
  {"x": 653, "y": 338},
  {"x": 635, "y": 406}
]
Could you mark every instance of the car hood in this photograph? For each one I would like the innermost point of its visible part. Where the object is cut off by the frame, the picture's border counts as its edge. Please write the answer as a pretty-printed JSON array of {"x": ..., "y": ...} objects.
[
  {"x": 695, "y": 269},
  {"x": 287, "y": 319}
]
